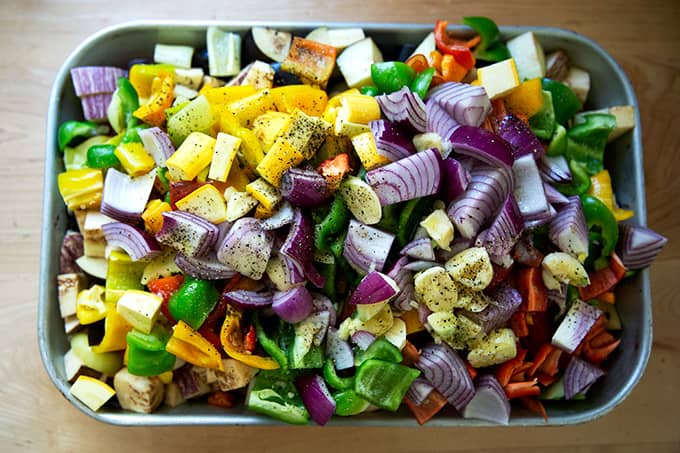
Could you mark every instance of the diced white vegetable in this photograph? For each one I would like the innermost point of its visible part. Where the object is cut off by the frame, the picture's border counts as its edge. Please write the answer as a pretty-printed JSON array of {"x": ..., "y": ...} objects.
[
  {"x": 425, "y": 47},
  {"x": 71, "y": 323},
  {"x": 274, "y": 44},
  {"x": 435, "y": 288},
  {"x": 356, "y": 60},
  {"x": 224, "y": 52},
  {"x": 138, "y": 393},
  {"x": 439, "y": 228},
  {"x": 173, "y": 395},
  {"x": 191, "y": 78},
  {"x": 92, "y": 392},
  {"x": 497, "y": 347},
  {"x": 238, "y": 203},
  {"x": 431, "y": 140},
  {"x": 160, "y": 266},
  {"x": 499, "y": 79},
  {"x": 178, "y": 56},
  {"x": 341, "y": 38},
  {"x": 471, "y": 268},
  {"x": 69, "y": 285},
  {"x": 579, "y": 82},
  {"x": 397, "y": 333},
  {"x": 361, "y": 200},
  {"x": 185, "y": 92},
  {"x": 94, "y": 241},
  {"x": 378, "y": 325},
  {"x": 443, "y": 323},
  {"x": 528, "y": 55},
  {"x": 96, "y": 267},
  {"x": 139, "y": 308},
  {"x": 236, "y": 375},
  {"x": 73, "y": 365},
  {"x": 566, "y": 269}
]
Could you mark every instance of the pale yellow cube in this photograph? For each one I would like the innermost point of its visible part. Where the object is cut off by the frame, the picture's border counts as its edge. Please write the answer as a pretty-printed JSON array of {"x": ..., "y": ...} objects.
[{"x": 499, "y": 79}]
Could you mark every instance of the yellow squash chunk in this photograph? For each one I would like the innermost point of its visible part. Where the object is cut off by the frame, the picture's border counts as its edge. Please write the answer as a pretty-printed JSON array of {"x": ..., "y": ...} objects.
[
  {"x": 309, "y": 99},
  {"x": 527, "y": 98},
  {"x": 226, "y": 147},
  {"x": 238, "y": 177},
  {"x": 238, "y": 203},
  {"x": 191, "y": 157},
  {"x": 81, "y": 189},
  {"x": 134, "y": 158},
  {"x": 306, "y": 133},
  {"x": 152, "y": 215},
  {"x": 281, "y": 157},
  {"x": 346, "y": 129},
  {"x": 358, "y": 108},
  {"x": 497, "y": 347},
  {"x": 499, "y": 79},
  {"x": 139, "y": 308},
  {"x": 250, "y": 107},
  {"x": 266, "y": 194},
  {"x": 364, "y": 145},
  {"x": 153, "y": 112},
  {"x": 206, "y": 202},
  {"x": 263, "y": 213},
  {"x": 269, "y": 126},
  {"x": 92, "y": 392}
]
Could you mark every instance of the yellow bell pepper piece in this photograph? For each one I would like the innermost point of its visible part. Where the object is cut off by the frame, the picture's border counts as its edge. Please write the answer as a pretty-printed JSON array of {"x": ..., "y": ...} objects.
[
  {"x": 166, "y": 377},
  {"x": 225, "y": 95},
  {"x": 310, "y": 100},
  {"x": 90, "y": 306},
  {"x": 134, "y": 158},
  {"x": 364, "y": 145},
  {"x": 268, "y": 126},
  {"x": 81, "y": 189},
  {"x": 141, "y": 76},
  {"x": 281, "y": 157},
  {"x": 267, "y": 195},
  {"x": 153, "y": 112},
  {"x": 115, "y": 331},
  {"x": 192, "y": 347},
  {"x": 358, "y": 108},
  {"x": 251, "y": 152},
  {"x": 226, "y": 148},
  {"x": 250, "y": 107},
  {"x": 206, "y": 202},
  {"x": 232, "y": 342},
  {"x": 152, "y": 215},
  {"x": 601, "y": 188},
  {"x": 193, "y": 155},
  {"x": 527, "y": 98}
]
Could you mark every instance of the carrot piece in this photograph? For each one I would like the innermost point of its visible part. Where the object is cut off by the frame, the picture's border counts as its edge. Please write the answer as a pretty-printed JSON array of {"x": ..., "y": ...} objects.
[
  {"x": 540, "y": 357},
  {"x": 471, "y": 370},
  {"x": 410, "y": 354},
  {"x": 418, "y": 62},
  {"x": 535, "y": 406},
  {"x": 424, "y": 411},
  {"x": 604, "y": 280},
  {"x": 500, "y": 273},
  {"x": 608, "y": 297},
  {"x": 520, "y": 389},
  {"x": 545, "y": 379},
  {"x": 599, "y": 355},
  {"x": 603, "y": 338},
  {"x": 452, "y": 71},
  {"x": 518, "y": 324},
  {"x": 530, "y": 286},
  {"x": 505, "y": 370},
  {"x": 551, "y": 364}
]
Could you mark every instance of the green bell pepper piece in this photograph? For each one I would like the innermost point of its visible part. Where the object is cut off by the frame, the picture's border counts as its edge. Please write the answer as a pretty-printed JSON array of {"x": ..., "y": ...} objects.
[
  {"x": 580, "y": 180},
  {"x": 410, "y": 217},
  {"x": 369, "y": 90},
  {"x": 586, "y": 141},
  {"x": 146, "y": 352},
  {"x": 72, "y": 130},
  {"x": 495, "y": 52},
  {"x": 384, "y": 383},
  {"x": 564, "y": 101},
  {"x": 102, "y": 156},
  {"x": 391, "y": 76},
  {"x": 274, "y": 394},
  {"x": 421, "y": 83},
  {"x": 558, "y": 142},
  {"x": 193, "y": 302},
  {"x": 390, "y": 218},
  {"x": 380, "y": 349},
  {"x": 328, "y": 271},
  {"x": 269, "y": 344},
  {"x": 347, "y": 403},
  {"x": 491, "y": 48},
  {"x": 543, "y": 123},
  {"x": 129, "y": 101},
  {"x": 598, "y": 215},
  {"x": 162, "y": 175},
  {"x": 312, "y": 360},
  {"x": 334, "y": 222},
  {"x": 332, "y": 378},
  {"x": 337, "y": 247}
]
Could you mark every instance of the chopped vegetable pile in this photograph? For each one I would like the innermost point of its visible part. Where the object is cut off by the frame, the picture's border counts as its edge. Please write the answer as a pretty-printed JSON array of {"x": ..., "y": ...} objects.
[{"x": 328, "y": 233}]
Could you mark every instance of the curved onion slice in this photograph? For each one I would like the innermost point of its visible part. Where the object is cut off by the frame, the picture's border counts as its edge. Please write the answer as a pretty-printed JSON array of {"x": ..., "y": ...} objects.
[
  {"x": 283, "y": 273},
  {"x": 374, "y": 288},
  {"x": 554, "y": 196},
  {"x": 390, "y": 140},
  {"x": 206, "y": 267},
  {"x": 554, "y": 169},
  {"x": 157, "y": 143},
  {"x": 366, "y": 248},
  {"x": 447, "y": 372},
  {"x": 455, "y": 179},
  {"x": 488, "y": 189},
  {"x": 466, "y": 104},
  {"x": 298, "y": 246},
  {"x": 502, "y": 235},
  {"x": 304, "y": 187},
  {"x": 404, "y": 108},
  {"x": 293, "y": 305},
  {"x": 136, "y": 243},
  {"x": 248, "y": 300},
  {"x": 89, "y": 80},
  {"x": 490, "y": 402},
  {"x": 187, "y": 233},
  {"x": 482, "y": 145},
  {"x": 338, "y": 350},
  {"x": 323, "y": 303},
  {"x": 317, "y": 398},
  {"x": 528, "y": 190},
  {"x": 504, "y": 301},
  {"x": 419, "y": 391},
  {"x": 246, "y": 248},
  {"x": 420, "y": 248},
  {"x": 579, "y": 376},
  {"x": 639, "y": 245},
  {"x": 282, "y": 217},
  {"x": 363, "y": 339},
  {"x": 417, "y": 266},
  {"x": 440, "y": 122},
  {"x": 124, "y": 198},
  {"x": 568, "y": 230},
  {"x": 404, "y": 279},
  {"x": 416, "y": 176},
  {"x": 522, "y": 141},
  {"x": 575, "y": 325}
]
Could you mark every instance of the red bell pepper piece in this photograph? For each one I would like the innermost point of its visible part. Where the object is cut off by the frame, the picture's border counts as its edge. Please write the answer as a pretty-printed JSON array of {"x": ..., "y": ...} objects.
[
  {"x": 459, "y": 49},
  {"x": 520, "y": 389},
  {"x": 410, "y": 354},
  {"x": 518, "y": 324},
  {"x": 505, "y": 370},
  {"x": 222, "y": 399},
  {"x": 530, "y": 286},
  {"x": 500, "y": 274},
  {"x": 165, "y": 287},
  {"x": 540, "y": 357},
  {"x": 604, "y": 280},
  {"x": 249, "y": 340}
]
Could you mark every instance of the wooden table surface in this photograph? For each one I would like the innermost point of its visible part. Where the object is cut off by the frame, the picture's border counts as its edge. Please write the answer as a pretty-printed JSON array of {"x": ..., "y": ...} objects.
[{"x": 36, "y": 36}]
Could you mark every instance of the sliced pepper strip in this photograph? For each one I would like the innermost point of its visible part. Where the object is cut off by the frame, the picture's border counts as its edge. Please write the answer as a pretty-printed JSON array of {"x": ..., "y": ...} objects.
[
  {"x": 604, "y": 280},
  {"x": 601, "y": 188},
  {"x": 153, "y": 112},
  {"x": 192, "y": 347},
  {"x": 459, "y": 49},
  {"x": 520, "y": 389},
  {"x": 232, "y": 342}
]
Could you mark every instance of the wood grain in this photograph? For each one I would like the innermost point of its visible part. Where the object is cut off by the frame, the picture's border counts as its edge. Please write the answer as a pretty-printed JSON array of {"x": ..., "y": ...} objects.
[{"x": 35, "y": 37}]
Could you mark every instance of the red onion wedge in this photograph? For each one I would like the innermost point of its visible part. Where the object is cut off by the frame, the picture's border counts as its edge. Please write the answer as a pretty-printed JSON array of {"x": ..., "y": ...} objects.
[
  {"x": 246, "y": 248},
  {"x": 504, "y": 301},
  {"x": 575, "y": 325},
  {"x": 206, "y": 267},
  {"x": 157, "y": 143},
  {"x": 404, "y": 108},
  {"x": 559, "y": 298},
  {"x": 467, "y": 104},
  {"x": 248, "y": 300},
  {"x": 391, "y": 142},
  {"x": 366, "y": 248},
  {"x": 446, "y": 371},
  {"x": 283, "y": 273},
  {"x": 502, "y": 235},
  {"x": 417, "y": 266},
  {"x": 554, "y": 170},
  {"x": 639, "y": 246},
  {"x": 455, "y": 179},
  {"x": 282, "y": 217},
  {"x": 416, "y": 176},
  {"x": 293, "y": 305},
  {"x": 419, "y": 391},
  {"x": 490, "y": 402},
  {"x": 482, "y": 145},
  {"x": 137, "y": 244},
  {"x": 95, "y": 106},
  {"x": 441, "y": 123},
  {"x": 188, "y": 382},
  {"x": 88, "y": 80},
  {"x": 528, "y": 190},
  {"x": 520, "y": 138},
  {"x": 338, "y": 350},
  {"x": 374, "y": 288},
  {"x": 554, "y": 196},
  {"x": 404, "y": 279},
  {"x": 304, "y": 187},
  {"x": 187, "y": 233},
  {"x": 316, "y": 397},
  {"x": 488, "y": 189},
  {"x": 363, "y": 339},
  {"x": 419, "y": 249},
  {"x": 579, "y": 376},
  {"x": 323, "y": 303},
  {"x": 124, "y": 198},
  {"x": 298, "y": 246},
  {"x": 568, "y": 229}
]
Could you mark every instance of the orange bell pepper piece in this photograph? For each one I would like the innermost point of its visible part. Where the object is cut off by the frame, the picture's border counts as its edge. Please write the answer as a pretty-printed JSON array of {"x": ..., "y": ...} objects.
[
  {"x": 424, "y": 411},
  {"x": 232, "y": 342},
  {"x": 153, "y": 112},
  {"x": 418, "y": 62}
]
